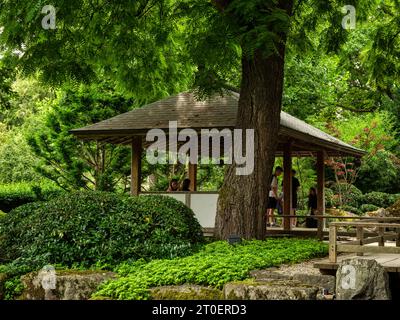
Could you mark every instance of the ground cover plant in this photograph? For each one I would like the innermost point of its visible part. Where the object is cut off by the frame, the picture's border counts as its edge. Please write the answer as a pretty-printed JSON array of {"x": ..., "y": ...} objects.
[{"x": 216, "y": 264}]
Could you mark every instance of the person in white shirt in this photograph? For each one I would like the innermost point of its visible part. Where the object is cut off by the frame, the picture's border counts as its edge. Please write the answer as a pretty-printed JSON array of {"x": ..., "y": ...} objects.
[{"x": 273, "y": 196}]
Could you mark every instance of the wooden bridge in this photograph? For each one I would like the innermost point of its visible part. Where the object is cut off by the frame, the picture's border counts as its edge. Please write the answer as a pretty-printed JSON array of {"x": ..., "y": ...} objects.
[{"x": 384, "y": 247}]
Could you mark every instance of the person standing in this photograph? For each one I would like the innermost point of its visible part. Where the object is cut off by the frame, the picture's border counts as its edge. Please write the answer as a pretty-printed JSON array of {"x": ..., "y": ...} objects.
[
  {"x": 312, "y": 207},
  {"x": 186, "y": 185},
  {"x": 273, "y": 196},
  {"x": 295, "y": 189},
  {"x": 173, "y": 186}
]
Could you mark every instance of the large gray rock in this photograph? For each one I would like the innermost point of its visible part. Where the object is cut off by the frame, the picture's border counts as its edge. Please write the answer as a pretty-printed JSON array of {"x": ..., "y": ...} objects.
[
  {"x": 362, "y": 279},
  {"x": 62, "y": 285},
  {"x": 185, "y": 292},
  {"x": 269, "y": 274},
  {"x": 325, "y": 283},
  {"x": 269, "y": 290}
]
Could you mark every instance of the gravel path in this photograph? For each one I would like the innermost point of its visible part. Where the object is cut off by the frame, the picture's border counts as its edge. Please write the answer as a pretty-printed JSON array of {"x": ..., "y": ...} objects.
[{"x": 303, "y": 267}]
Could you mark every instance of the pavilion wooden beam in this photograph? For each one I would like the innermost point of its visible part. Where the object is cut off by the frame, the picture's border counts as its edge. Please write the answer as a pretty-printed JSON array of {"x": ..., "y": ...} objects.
[
  {"x": 193, "y": 176},
  {"x": 320, "y": 191},
  {"x": 136, "y": 165},
  {"x": 287, "y": 184}
]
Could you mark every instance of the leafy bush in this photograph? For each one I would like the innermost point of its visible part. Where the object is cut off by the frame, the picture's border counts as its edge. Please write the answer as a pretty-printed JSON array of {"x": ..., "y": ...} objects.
[
  {"x": 15, "y": 195},
  {"x": 352, "y": 210},
  {"x": 216, "y": 264},
  {"x": 371, "y": 176},
  {"x": 380, "y": 199},
  {"x": 13, "y": 288},
  {"x": 329, "y": 198},
  {"x": 368, "y": 207},
  {"x": 351, "y": 195},
  {"x": 98, "y": 227}
]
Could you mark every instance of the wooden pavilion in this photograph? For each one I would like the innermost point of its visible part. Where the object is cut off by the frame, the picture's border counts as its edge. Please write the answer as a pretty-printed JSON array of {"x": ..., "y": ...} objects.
[{"x": 296, "y": 138}]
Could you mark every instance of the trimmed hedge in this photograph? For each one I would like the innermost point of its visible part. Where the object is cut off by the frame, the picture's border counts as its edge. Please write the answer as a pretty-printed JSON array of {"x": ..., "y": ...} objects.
[
  {"x": 354, "y": 198},
  {"x": 380, "y": 199},
  {"x": 368, "y": 208},
  {"x": 88, "y": 228},
  {"x": 15, "y": 195},
  {"x": 353, "y": 210}
]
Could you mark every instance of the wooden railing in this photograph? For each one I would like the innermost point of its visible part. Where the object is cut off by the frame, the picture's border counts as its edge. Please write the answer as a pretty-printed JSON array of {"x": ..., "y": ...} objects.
[
  {"x": 359, "y": 246},
  {"x": 320, "y": 219}
]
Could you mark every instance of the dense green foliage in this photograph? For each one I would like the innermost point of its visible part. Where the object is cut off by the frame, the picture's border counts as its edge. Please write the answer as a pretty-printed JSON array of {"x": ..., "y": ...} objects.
[
  {"x": 359, "y": 203},
  {"x": 86, "y": 228},
  {"x": 72, "y": 164},
  {"x": 380, "y": 199},
  {"x": 13, "y": 288},
  {"x": 352, "y": 209},
  {"x": 26, "y": 107},
  {"x": 350, "y": 194},
  {"x": 344, "y": 81},
  {"x": 368, "y": 208},
  {"x": 17, "y": 194},
  {"x": 177, "y": 45},
  {"x": 216, "y": 264}
]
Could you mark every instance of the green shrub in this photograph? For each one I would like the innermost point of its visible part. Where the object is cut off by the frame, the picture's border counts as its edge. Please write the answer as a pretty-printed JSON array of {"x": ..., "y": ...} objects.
[
  {"x": 351, "y": 195},
  {"x": 97, "y": 227},
  {"x": 10, "y": 199},
  {"x": 368, "y": 207},
  {"x": 329, "y": 198},
  {"x": 216, "y": 264},
  {"x": 15, "y": 195},
  {"x": 13, "y": 288},
  {"x": 380, "y": 199},
  {"x": 352, "y": 210}
]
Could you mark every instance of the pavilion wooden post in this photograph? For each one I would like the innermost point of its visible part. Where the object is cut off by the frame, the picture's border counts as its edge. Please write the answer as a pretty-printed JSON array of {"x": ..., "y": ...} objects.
[
  {"x": 320, "y": 192},
  {"x": 287, "y": 185},
  {"x": 193, "y": 176},
  {"x": 136, "y": 165}
]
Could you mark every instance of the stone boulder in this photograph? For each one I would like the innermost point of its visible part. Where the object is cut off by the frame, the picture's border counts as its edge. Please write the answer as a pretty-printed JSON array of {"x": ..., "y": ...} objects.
[
  {"x": 362, "y": 279},
  {"x": 269, "y": 274},
  {"x": 325, "y": 283},
  {"x": 63, "y": 285},
  {"x": 185, "y": 292},
  {"x": 269, "y": 290}
]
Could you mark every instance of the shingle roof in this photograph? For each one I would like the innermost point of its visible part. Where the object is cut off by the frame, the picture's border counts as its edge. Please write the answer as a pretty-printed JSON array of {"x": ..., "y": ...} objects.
[{"x": 215, "y": 112}]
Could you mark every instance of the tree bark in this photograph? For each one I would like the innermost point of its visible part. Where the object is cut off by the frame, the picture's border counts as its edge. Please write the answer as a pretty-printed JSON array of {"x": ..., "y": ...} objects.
[{"x": 243, "y": 200}]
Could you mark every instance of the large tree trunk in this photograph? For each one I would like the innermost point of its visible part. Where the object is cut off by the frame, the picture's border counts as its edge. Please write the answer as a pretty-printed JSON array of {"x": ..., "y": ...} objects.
[{"x": 243, "y": 199}]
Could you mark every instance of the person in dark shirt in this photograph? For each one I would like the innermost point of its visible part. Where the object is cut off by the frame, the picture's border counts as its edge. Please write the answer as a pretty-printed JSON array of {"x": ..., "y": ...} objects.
[
  {"x": 312, "y": 207},
  {"x": 295, "y": 189},
  {"x": 312, "y": 201},
  {"x": 186, "y": 185}
]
